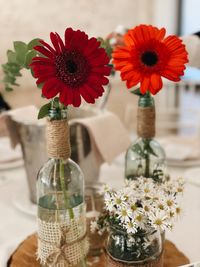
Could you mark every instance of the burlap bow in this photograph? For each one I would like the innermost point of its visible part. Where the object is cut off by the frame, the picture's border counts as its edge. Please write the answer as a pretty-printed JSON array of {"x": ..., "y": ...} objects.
[{"x": 59, "y": 257}]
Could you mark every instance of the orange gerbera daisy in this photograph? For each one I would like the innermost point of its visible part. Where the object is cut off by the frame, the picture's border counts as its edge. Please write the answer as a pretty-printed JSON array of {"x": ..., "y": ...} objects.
[{"x": 147, "y": 56}]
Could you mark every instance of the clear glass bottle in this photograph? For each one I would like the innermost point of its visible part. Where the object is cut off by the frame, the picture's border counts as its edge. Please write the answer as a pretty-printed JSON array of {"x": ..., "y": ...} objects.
[
  {"x": 145, "y": 157},
  {"x": 144, "y": 248},
  {"x": 61, "y": 210}
]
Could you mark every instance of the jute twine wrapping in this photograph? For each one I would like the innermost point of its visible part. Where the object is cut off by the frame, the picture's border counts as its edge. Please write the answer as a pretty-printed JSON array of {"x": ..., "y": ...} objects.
[
  {"x": 112, "y": 262},
  {"x": 62, "y": 243},
  {"x": 58, "y": 143},
  {"x": 146, "y": 122}
]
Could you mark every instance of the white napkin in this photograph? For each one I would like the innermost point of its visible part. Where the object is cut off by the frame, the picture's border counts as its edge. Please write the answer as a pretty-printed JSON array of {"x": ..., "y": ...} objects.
[
  {"x": 181, "y": 148},
  {"x": 107, "y": 133},
  {"x": 26, "y": 115},
  {"x": 192, "y": 43}
]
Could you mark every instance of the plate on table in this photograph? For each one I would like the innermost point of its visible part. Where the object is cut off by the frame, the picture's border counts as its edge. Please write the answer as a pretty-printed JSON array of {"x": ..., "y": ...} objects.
[
  {"x": 182, "y": 151},
  {"x": 9, "y": 158}
]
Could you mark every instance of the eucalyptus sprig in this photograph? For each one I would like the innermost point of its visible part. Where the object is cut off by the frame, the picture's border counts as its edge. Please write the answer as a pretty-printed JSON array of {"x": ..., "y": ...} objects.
[{"x": 18, "y": 59}]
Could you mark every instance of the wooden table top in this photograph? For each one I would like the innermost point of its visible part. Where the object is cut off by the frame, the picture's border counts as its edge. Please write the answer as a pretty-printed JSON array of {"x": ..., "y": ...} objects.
[{"x": 24, "y": 256}]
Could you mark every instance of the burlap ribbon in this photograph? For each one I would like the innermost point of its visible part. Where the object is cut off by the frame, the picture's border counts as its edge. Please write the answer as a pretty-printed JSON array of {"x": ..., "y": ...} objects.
[
  {"x": 113, "y": 262},
  {"x": 146, "y": 122},
  {"x": 58, "y": 143},
  {"x": 59, "y": 255}
]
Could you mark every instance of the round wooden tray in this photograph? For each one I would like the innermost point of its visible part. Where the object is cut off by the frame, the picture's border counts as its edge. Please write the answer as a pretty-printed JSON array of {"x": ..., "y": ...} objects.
[{"x": 24, "y": 256}]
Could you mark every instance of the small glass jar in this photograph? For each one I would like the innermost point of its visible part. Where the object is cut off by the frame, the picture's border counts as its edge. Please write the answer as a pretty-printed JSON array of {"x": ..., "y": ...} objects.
[{"x": 144, "y": 248}]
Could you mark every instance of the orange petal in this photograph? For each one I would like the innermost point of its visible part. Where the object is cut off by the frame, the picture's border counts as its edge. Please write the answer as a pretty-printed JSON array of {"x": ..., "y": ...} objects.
[
  {"x": 156, "y": 83},
  {"x": 144, "y": 85}
]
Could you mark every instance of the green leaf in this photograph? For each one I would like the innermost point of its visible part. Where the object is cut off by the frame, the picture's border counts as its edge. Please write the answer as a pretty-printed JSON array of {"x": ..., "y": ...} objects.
[
  {"x": 14, "y": 69},
  {"x": 11, "y": 56},
  {"x": 149, "y": 149},
  {"x": 21, "y": 50},
  {"x": 33, "y": 43},
  {"x": 44, "y": 111},
  {"x": 137, "y": 148},
  {"x": 40, "y": 85},
  {"x": 137, "y": 92},
  {"x": 8, "y": 88},
  {"x": 28, "y": 59}
]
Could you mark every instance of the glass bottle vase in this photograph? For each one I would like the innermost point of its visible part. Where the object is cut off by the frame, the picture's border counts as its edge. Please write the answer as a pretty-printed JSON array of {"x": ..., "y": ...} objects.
[
  {"x": 61, "y": 208},
  {"x": 145, "y": 156}
]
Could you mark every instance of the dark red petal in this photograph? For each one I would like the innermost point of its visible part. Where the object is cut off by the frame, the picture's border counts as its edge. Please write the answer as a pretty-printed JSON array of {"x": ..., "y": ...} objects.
[
  {"x": 43, "y": 59},
  {"x": 76, "y": 98},
  {"x": 87, "y": 97},
  {"x": 103, "y": 70},
  {"x": 100, "y": 79},
  {"x": 40, "y": 72},
  {"x": 91, "y": 91},
  {"x": 44, "y": 78},
  {"x": 55, "y": 43},
  {"x": 41, "y": 63},
  {"x": 48, "y": 47},
  {"x": 68, "y": 36},
  {"x": 50, "y": 88},
  {"x": 44, "y": 51},
  {"x": 98, "y": 61},
  {"x": 66, "y": 95},
  {"x": 93, "y": 44},
  {"x": 60, "y": 41}
]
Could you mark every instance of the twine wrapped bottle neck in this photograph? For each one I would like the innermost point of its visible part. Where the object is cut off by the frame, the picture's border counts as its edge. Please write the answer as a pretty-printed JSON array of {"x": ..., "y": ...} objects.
[
  {"x": 57, "y": 135},
  {"x": 146, "y": 117}
]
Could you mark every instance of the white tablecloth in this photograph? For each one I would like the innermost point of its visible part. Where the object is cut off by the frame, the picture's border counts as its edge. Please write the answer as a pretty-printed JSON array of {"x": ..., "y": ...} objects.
[{"x": 17, "y": 219}]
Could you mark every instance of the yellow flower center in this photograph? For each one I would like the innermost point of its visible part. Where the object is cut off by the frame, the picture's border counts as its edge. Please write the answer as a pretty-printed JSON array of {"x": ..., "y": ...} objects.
[
  {"x": 124, "y": 213},
  {"x": 146, "y": 208},
  {"x": 158, "y": 222},
  {"x": 134, "y": 207},
  {"x": 169, "y": 203},
  {"x": 160, "y": 206},
  {"x": 139, "y": 218},
  {"x": 118, "y": 201}
]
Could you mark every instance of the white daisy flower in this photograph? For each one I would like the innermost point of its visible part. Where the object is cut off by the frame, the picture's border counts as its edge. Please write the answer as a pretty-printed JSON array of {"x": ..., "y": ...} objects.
[
  {"x": 159, "y": 220},
  {"x": 119, "y": 199},
  {"x": 109, "y": 202},
  {"x": 141, "y": 220},
  {"x": 131, "y": 228},
  {"x": 170, "y": 202},
  {"x": 124, "y": 215}
]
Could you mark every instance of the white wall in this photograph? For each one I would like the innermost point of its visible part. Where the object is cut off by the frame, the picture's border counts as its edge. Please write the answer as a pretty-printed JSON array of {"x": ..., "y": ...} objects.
[{"x": 190, "y": 16}]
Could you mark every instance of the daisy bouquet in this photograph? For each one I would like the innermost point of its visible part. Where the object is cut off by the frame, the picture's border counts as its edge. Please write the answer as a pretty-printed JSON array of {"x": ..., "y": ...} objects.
[
  {"x": 141, "y": 211},
  {"x": 146, "y": 57}
]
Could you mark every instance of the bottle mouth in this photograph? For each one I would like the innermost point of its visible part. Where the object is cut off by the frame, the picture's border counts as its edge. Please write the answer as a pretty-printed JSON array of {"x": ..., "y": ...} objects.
[
  {"x": 119, "y": 229},
  {"x": 57, "y": 113},
  {"x": 146, "y": 100}
]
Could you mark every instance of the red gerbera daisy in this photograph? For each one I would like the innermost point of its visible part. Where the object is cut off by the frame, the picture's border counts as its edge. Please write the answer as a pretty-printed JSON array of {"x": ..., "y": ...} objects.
[
  {"x": 72, "y": 69},
  {"x": 147, "y": 55}
]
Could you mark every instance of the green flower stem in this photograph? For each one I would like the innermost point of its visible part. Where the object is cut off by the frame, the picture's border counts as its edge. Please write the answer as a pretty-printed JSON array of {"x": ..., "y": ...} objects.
[
  {"x": 62, "y": 182},
  {"x": 147, "y": 160},
  {"x": 70, "y": 210},
  {"x": 147, "y": 163}
]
